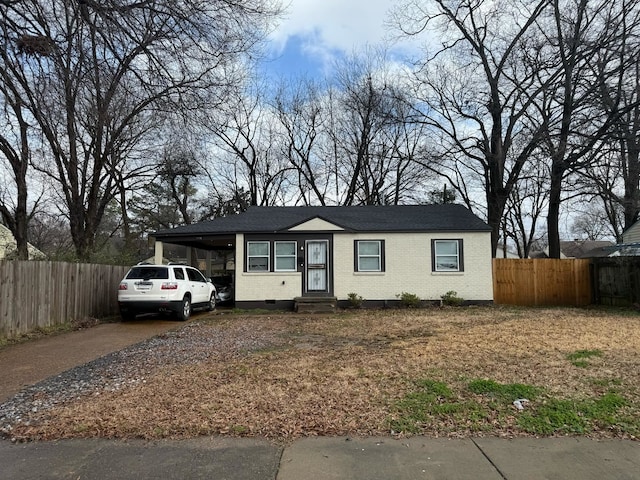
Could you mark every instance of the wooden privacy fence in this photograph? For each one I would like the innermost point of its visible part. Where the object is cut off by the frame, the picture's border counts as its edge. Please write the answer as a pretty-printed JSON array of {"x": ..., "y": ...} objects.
[
  {"x": 617, "y": 280},
  {"x": 542, "y": 282},
  {"x": 43, "y": 294}
]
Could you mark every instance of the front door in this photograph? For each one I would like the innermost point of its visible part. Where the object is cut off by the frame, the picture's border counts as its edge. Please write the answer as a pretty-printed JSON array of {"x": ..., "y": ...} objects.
[{"x": 317, "y": 267}]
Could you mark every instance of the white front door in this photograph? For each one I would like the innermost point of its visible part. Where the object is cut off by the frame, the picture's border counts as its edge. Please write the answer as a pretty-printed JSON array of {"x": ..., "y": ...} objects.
[{"x": 317, "y": 266}]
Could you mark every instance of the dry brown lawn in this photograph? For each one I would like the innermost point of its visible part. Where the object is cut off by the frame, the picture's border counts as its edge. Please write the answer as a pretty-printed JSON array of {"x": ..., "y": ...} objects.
[{"x": 290, "y": 375}]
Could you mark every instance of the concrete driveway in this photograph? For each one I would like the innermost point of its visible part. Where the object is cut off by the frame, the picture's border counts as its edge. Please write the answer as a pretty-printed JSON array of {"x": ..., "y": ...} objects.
[{"x": 33, "y": 361}]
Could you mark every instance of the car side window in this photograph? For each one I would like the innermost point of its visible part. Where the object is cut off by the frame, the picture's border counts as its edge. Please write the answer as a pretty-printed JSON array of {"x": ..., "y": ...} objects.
[
  {"x": 195, "y": 275},
  {"x": 178, "y": 273}
]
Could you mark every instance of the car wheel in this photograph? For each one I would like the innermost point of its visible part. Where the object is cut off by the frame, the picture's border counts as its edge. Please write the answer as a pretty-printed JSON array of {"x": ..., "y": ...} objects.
[
  {"x": 211, "y": 306},
  {"x": 185, "y": 309}
]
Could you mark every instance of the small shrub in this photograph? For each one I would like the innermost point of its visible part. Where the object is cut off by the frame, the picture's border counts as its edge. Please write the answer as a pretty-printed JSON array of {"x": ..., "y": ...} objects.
[
  {"x": 355, "y": 300},
  {"x": 409, "y": 300},
  {"x": 452, "y": 299}
]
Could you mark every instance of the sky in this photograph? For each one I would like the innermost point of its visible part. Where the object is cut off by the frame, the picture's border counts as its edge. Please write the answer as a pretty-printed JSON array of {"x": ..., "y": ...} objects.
[{"x": 314, "y": 33}]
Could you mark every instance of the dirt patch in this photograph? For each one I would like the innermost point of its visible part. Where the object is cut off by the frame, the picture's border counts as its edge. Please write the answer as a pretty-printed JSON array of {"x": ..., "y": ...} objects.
[{"x": 285, "y": 376}]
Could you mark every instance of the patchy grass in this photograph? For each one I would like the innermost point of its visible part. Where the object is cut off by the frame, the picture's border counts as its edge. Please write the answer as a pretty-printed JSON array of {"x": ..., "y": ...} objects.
[
  {"x": 510, "y": 392},
  {"x": 570, "y": 416},
  {"x": 580, "y": 358},
  {"x": 445, "y": 372}
]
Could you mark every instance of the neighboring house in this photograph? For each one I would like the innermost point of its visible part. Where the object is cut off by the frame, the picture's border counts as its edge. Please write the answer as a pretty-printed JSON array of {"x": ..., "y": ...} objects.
[
  {"x": 285, "y": 255},
  {"x": 619, "y": 250},
  {"x": 632, "y": 234},
  {"x": 577, "y": 249},
  {"x": 8, "y": 246},
  {"x": 500, "y": 253}
]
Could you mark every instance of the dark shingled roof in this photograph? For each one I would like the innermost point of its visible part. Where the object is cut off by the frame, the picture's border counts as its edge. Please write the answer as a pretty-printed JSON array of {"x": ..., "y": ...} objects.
[{"x": 388, "y": 218}]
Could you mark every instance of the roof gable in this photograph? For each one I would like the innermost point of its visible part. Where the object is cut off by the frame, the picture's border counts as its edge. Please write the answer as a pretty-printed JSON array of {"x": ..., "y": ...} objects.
[{"x": 316, "y": 224}]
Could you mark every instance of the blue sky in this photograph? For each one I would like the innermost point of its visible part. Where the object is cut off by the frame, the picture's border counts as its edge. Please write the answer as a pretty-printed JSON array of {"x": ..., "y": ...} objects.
[{"x": 314, "y": 33}]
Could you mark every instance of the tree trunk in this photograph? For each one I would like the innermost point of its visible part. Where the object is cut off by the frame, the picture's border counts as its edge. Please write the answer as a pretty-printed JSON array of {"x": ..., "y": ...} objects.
[
  {"x": 631, "y": 192},
  {"x": 555, "y": 194}
]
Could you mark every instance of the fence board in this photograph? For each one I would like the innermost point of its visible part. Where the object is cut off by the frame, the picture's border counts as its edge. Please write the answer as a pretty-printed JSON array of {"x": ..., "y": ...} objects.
[
  {"x": 617, "y": 280},
  {"x": 542, "y": 282},
  {"x": 38, "y": 294}
]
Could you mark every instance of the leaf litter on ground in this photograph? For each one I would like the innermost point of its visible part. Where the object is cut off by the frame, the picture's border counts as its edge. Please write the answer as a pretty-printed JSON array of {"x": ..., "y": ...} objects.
[{"x": 286, "y": 375}]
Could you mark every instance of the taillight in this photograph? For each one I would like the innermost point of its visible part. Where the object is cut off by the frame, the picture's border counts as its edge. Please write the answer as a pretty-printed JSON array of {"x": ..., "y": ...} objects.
[
  {"x": 169, "y": 286},
  {"x": 123, "y": 286}
]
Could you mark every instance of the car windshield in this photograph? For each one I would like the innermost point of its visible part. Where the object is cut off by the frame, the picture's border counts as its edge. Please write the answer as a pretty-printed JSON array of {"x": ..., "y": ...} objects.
[{"x": 148, "y": 273}]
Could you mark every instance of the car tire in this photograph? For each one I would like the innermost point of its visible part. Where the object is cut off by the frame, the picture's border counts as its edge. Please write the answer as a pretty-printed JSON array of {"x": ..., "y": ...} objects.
[
  {"x": 185, "y": 309},
  {"x": 211, "y": 306}
]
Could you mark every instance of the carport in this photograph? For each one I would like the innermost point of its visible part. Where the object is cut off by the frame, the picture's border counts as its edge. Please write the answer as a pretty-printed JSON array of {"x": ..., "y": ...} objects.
[{"x": 214, "y": 254}]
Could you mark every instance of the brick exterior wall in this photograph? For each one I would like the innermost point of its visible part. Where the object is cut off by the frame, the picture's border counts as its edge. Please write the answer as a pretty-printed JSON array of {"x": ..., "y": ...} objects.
[{"x": 408, "y": 268}]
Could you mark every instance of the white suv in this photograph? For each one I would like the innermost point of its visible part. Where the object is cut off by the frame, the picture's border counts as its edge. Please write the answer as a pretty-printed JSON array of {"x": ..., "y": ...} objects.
[{"x": 164, "y": 288}]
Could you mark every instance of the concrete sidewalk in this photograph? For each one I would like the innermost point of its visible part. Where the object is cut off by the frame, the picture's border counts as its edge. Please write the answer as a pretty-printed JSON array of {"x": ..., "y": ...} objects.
[{"x": 324, "y": 458}]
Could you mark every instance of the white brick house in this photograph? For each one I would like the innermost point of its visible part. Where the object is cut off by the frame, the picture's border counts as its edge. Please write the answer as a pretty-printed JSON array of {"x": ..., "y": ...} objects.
[{"x": 285, "y": 254}]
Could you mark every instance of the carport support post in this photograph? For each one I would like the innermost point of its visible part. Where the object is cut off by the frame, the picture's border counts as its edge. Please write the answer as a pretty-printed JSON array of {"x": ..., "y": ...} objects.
[
  {"x": 208, "y": 268},
  {"x": 191, "y": 257},
  {"x": 159, "y": 253}
]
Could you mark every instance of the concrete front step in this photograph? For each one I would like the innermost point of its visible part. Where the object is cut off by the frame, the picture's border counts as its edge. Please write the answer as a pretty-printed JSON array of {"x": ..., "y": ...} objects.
[{"x": 316, "y": 304}]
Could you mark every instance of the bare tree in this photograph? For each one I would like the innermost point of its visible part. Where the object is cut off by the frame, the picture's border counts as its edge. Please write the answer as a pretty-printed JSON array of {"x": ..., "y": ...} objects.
[
  {"x": 592, "y": 222},
  {"x": 583, "y": 52},
  {"x": 97, "y": 78},
  {"x": 300, "y": 111},
  {"x": 245, "y": 132},
  {"x": 475, "y": 93},
  {"x": 525, "y": 208},
  {"x": 615, "y": 173},
  {"x": 372, "y": 142},
  {"x": 15, "y": 150},
  {"x": 169, "y": 199}
]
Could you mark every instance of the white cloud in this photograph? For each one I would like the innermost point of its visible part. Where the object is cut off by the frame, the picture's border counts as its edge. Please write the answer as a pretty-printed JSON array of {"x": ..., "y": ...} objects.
[{"x": 330, "y": 25}]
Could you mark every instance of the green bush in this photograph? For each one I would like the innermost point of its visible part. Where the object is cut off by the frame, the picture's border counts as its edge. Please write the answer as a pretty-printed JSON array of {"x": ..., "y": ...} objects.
[
  {"x": 452, "y": 299},
  {"x": 409, "y": 300},
  {"x": 355, "y": 300}
]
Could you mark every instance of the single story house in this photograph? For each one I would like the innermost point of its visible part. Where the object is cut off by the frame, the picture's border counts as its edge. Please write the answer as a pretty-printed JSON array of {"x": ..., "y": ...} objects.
[
  {"x": 286, "y": 256},
  {"x": 8, "y": 246},
  {"x": 632, "y": 234},
  {"x": 577, "y": 249}
]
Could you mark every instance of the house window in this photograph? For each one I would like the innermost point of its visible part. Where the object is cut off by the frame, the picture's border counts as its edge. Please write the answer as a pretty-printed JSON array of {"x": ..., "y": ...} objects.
[
  {"x": 447, "y": 255},
  {"x": 285, "y": 255},
  {"x": 257, "y": 256},
  {"x": 369, "y": 255}
]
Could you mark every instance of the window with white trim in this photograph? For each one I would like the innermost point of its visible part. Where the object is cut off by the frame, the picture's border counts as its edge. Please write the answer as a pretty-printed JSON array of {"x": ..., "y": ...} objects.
[
  {"x": 369, "y": 256},
  {"x": 447, "y": 255},
  {"x": 285, "y": 256},
  {"x": 257, "y": 256}
]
